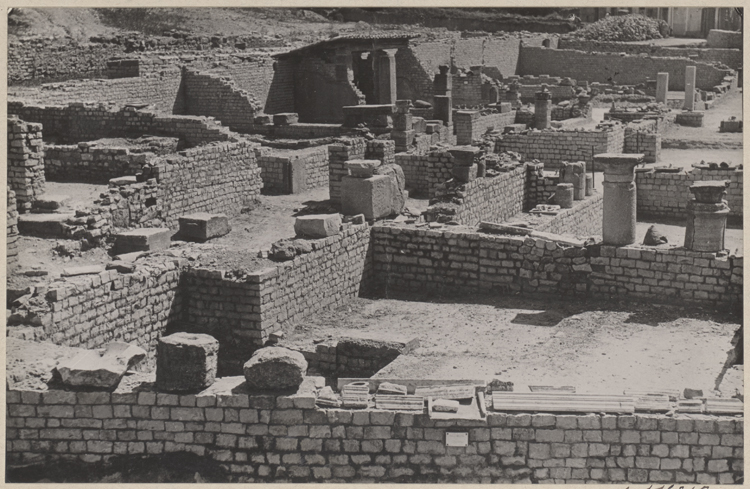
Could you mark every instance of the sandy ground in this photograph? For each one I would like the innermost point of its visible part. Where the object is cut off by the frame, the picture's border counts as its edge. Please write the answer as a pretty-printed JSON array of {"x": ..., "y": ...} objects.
[{"x": 596, "y": 347}]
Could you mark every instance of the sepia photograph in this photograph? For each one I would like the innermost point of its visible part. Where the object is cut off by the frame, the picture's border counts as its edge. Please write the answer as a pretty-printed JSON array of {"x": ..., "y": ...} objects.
[{"x": 375, "y": 245}]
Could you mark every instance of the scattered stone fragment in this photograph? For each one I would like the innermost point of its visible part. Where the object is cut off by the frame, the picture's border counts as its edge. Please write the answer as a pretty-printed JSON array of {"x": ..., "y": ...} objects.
[
  {"x": 122, "y": 266},
  {"x": 144, "y": 239},
  {"x": 445, "y": 406},
  {"x": 689, "y": 393},
  {"x": 275, "y": 368},
  {"x": 84, "y": 270},
  {"x": 654, "y": 237},
  {"x": 283, "y": 250},
  {"x": 92, "y": 369},
  {"x": 316, "y": 226},
  {"x": 186, "y": 362},
  {"x": 390, "y": 388},
  {"x": 203, "y": 226}
]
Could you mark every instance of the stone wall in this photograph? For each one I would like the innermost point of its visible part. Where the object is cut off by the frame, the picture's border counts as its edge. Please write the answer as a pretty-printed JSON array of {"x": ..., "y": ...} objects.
[
  {"x": 643, "y": 137},
  {"x": 718, "y": 38},
  {"x": 730, "y": 57},
  {"x": 241, "y": 313},
  {"x": 25, "y": 161},
  {"x": 319, "y": 94},
  {"x": 219, "y": 97},
  {"x": 663, "y": 194},
  {"x": 266, "y": 437},
  {"x": 552, "y": 147},
  {"x": 472, "y": 125},
  {"x": 541, "y": 184},
  {"x": 411, "y": 260},
  {"x": 600, "y": 67},
  {"x": 583, "y": 219},
  {"x": 79, "y": 122},
  {"x": 424, "y": 173},
  {"x": 86, "y": 163},
  {"x": 278, "y": 169},
  {"x": 11, "y": 240},
  {"x": 354, "y": 149}
]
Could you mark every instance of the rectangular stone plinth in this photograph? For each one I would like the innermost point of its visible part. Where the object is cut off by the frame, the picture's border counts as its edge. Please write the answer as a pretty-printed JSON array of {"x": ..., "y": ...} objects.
[
  {"x": 317, "y": 226},
  {"x": 362, "y": 168},
  {"x": 636, "y": 158},
  {"x": 286, "y": 118},
  {"x": 465, "y": 155},
  {"x": 144, "y": 239},
  {"x": 403, "y": 138},
  {"x": 372, "y": 196},
  {"x": 202, "y": 226}
]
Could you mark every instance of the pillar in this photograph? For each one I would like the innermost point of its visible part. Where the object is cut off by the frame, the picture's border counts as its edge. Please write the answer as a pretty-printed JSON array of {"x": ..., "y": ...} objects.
[
  {"x": 689, "y": 87},
  {"x": 542, "y": 110},
  {"x": 443, "y": 83},
  {"x": 662, "y": 87},
  {"x": 575, "y": 174},
  {"x": 386, "y": 63},
  {"x": 443, "y": 109},
  {"x": 707, "y": 216},
  {"x": 618, "y": 220}
]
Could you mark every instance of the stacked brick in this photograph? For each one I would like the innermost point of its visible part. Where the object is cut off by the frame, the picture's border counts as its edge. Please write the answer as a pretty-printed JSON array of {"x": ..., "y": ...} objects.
[
  {"x": 219, "y": 97},
  {"x": 540, "y": 186},
  {"x": 265, "y": 438},
  {"x": 136, "y": 205},
  {"x": 730, "y": 57},
  {"x": 79, "y": 122},
  {"x": 469, "y": 262},
  {"x": 381, "y": 149},
  {"x": 25, "y": 161},
  {"x": 552, "y": 147},
  {"x": 241, "y": 313},
  {"x": 87, "y": 163},
  {"x": 11, "y": 240},
  {"x": 488, "y": 198},
  {"x": 275, "y": 167},
  {"x": 665, "y": 194},
  {"x": 298, "y": 130},
  {"x": 643, "y": 137},
  {"x": 123, "y": 68},
  {"x": 471, "y": 126},
  {"x": 425, "y": 173},
  {"x": 690, "y": 119},
  {"x": 584, "y": 219},
  {"x": 338, "y": 155}
]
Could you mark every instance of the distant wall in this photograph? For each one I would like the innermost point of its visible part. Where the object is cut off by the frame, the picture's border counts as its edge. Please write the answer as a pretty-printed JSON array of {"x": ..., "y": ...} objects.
[
  {"x": 718, "y": 38},
  {"x": 219, "y": 97},
  {"x": 11, "y": 240},
  {"x": 74, "y": 163},
  {"x": 625, "y": 70},
  {"x": 472, "y": 125},
  {"x": 278, "y": 169}
]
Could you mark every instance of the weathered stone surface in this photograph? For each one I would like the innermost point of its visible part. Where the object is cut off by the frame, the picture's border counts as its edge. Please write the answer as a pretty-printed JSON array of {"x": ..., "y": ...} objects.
[
  {"x": 654, "y": 237},
  {"x": 285, "y": 118},
  {"x": 275, "y": 368},
  {"x": 120, "y": 181},
  {"x": 372, "y": 196},
  {"x": 144, "y": 239},
  {"x": 84, "y": 270},
  {"x": 445, "y": 406},
  {"x": 92, "y": 369},
  {"x": 317, "y": 226},
  {"x": 564, "y": 194},
  {"x": 362, "y": 168},
  {"x": 283, "y": 250},
  {"x": 203, "y": 226},
  {"x": 186, "y": 362}
]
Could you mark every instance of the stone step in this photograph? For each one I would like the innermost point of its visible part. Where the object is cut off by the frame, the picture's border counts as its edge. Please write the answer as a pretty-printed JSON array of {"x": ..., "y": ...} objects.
[
  {"x": 43, "y": 225},
  {"x": 50, "y": 203}
]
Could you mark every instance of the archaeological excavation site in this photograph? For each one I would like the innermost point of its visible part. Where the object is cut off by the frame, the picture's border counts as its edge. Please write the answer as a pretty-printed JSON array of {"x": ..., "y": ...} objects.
[{"x": 425, "y": 245}]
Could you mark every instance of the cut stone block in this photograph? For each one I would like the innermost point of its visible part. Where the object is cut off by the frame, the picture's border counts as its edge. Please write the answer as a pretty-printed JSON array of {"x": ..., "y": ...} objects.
[
  {"x": 203, "y": 226},
  {"x": 393, "y": 389},
  {"x": 403, "y": 138},
  {"x": 362, "y": 168},
  {"x": 402, "y": 122},
  {"x": 372, "y": 196},
  {"x": 505, "y": 107},
  {"x": 120, "y": 181},
  {"x": 43, "y": 225},
  {"x": 144, "y": 239},
  {"x": 419, "y": 124},
  {"x": 50, "y": 202},
  {"x": 275, "y": 368},
  {"x": 285, "y": 118},
  {"x": 92, "y": 369},
  {"x": 85, "y": 270},
  {"x": 445, "y": 406},
  {"x": 186, "y": 362},
  {"x": 464, "y": 155},
  {"x": 317, "y": 225},
  {"x": 465, "y": 173}
]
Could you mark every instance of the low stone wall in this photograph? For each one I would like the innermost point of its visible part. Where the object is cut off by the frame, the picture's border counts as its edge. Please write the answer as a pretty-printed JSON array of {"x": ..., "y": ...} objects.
[
  {"x": 86, "y": 163},
  {"x": 471, "y": 125},
  {"x": 300, "y": 130},
  {"x": 278, "y": 169},
  {"x": 552, "y": 147},
  {"x": 265, "y": 437},
  {"x": 643, "y": 137},
  {"x": 425, "y": 173},
  {"x": 664, "y": 194},
  {"x": 11, "y": 240},
  {"x": 25, "y": 161},
  {"x": 353, "y": 149},
  {"x": 541, "y": 185},
  {"x": 583, "y": 219},
  {"x": 718, "y": 38},
  {"x": 241, "y": 313},
  {"x": 219, "y": 97},
  {"x": 414, "y": 260}
]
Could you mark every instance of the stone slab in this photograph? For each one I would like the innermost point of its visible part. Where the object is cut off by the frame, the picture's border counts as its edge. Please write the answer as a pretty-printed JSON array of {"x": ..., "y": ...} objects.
[
  {"x": 186, "y": 362},
  {"x": 317, "y": 225},
  {"x": 120, "y": 181},
  {"x": 84, "y": 270},
  {"x": 50, "y": 202},
  {"x": 362, "y": 168},
  {"x": 144, "y": 239},
  {"x": 203, "y": 226},
  {"x": 43, "y": 225},
  {"x": 100, "y": 370},
  {"x": 373, "y": 197}
]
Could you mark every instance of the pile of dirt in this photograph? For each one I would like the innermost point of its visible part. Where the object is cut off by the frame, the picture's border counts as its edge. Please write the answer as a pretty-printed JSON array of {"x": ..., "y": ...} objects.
[{"x": 623, "y": 28}]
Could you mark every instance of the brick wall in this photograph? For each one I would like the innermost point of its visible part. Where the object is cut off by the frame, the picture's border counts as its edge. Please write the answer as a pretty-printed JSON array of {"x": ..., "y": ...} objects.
[
  {"x": 338, "y": 155},
  {"x": 552, "y": 147},
  {"x": 541, "y": 184},
  {"x": 301, "y": 130},
  {"x": 264, "y": 438},
  {"x": 452, "y": 261},
  {"x": 219, "y": 97},
  {"x": 467, "y": 90},
  {"x": 277, "y": 165},
  {"x": 11, "y": 240},
  {"x": 666, "y": 194},
  {"x": 319, "y": 94},
  {"x": 718, "y": 38},
  {"x": 583, "y": 219},
  {"x": 25, "y": 161},
  {"x": 425, "y": 172},
  {"x": 79, "y": 122},
  {"x": 85, "y": 163},
  {"x": 600, "y": 67},
  {"x": 471, "y": 126},
  {"x": 241, "y": 313},
  {"x": 730, "y": 57}
]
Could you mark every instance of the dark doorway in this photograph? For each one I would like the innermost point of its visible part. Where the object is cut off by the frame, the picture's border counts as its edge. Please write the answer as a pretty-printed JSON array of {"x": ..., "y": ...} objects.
[{"x": 364, "y": 75}]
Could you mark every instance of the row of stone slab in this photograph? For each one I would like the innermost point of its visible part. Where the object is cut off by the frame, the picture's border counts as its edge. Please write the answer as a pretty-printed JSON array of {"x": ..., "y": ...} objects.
[{"x": 200, "y": 226}]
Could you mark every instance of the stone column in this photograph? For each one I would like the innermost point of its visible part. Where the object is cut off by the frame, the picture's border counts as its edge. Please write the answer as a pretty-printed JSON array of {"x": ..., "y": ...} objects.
[
  {"x": 689, "y": 87},
  {"x": 443, "y": 83},
  {"x": 662, "y": 87},
  {"x": 386, "y": 63},
  {"x": 443, "y": 109},
  {"x": 542, "y": 110},
  {"x": 618, "y": 220},
  {"x": 707, "y": 216}
]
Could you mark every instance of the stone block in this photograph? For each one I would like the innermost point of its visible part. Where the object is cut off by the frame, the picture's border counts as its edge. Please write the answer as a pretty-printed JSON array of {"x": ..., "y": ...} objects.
[
  {"x": 144, "y": 239},
  {"x": 372, "y": 196},
  {"x": 203, "y": 226},
  {"x": 505, "y": 107},
  {"x": 122, "y": 181},
  {"x": 92, "y": 369},
  {"x": 465, "y": 155},
  {"x": 465, "y": 173},
  {"x": 186, "y": 362},
  {"x": 403, "y": 138},
  {"x": 402, "y": 122},
  {"x": 275, "y": 368},
  {"x": 295, "y": 176},
  {"x": 50, "y": 202},
  {"x": 419, "y": 124},
  {"x": 317, "y": 225},
  {"x": 285, "y": 118},
  {"x": 362, "y": 168}
]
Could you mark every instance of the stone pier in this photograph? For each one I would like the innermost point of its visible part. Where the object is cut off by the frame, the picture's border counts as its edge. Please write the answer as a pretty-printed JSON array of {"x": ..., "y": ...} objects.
[
  {"x": 386, "y": 63},
  {"x": 619, "y": 214},
  {"x": 542, "y": 110},
  {"x": 662, "y": 87},
  {"x": 689, "y": 88},
  {"x": 707, "y": 216}
]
